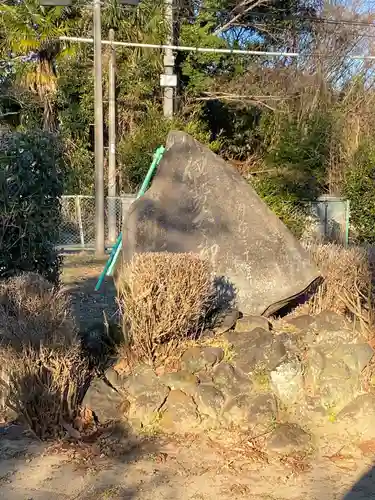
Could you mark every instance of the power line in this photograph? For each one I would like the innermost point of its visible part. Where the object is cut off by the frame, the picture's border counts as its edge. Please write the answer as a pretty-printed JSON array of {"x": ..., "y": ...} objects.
[{"x": 210, "y": 50}]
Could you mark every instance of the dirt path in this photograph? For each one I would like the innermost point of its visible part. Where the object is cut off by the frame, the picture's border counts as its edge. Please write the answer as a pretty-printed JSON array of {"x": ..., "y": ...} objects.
[
  {"x": 80, "y": 275},
  {"x": 159, "y": 469},
  {"x": 116, "y": 467}
]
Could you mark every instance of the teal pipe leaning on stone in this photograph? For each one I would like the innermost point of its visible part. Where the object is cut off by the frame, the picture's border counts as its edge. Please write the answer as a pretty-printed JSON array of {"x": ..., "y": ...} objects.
[{"x": 111, "y": 262}]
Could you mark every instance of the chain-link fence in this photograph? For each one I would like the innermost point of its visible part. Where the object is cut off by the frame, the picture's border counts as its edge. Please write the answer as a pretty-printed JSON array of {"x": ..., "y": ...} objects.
[
  {"x": 77, "y": 230},
  {"x": 329, "y": 220}
]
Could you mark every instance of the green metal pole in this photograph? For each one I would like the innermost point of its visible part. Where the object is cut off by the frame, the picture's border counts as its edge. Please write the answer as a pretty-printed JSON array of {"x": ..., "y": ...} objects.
[{"x": 111, "y": 262}]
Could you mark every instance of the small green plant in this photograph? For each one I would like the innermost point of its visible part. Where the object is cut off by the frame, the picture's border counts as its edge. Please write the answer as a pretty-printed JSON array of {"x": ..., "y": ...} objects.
[
  {"x": 332, "y": 417},
  {"x": 261, "y": 381},
  {"x": 152, "y": 427}
]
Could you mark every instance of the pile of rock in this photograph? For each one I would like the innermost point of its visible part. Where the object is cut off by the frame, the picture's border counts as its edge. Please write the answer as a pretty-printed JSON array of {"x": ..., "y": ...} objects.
[{"x": 307, "y": 371}]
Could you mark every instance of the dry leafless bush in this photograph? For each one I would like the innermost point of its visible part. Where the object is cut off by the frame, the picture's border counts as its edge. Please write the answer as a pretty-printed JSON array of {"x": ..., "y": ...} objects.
[
  {"x": 347, "y": 288},
  {"x": 43, "y": 373},
  {"x": 44, "y": 386},
  {"x": 162, "y": 297},
  {"x": 34, "y": 312}
]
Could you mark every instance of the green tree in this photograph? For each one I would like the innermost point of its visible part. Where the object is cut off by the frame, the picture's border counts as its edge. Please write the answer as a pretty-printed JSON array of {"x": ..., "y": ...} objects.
[{"x": 29, "y": 33}]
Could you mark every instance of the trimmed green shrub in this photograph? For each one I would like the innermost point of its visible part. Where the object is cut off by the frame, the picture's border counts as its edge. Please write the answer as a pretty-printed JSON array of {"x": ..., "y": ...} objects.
[{"x": 31, "y": 183}]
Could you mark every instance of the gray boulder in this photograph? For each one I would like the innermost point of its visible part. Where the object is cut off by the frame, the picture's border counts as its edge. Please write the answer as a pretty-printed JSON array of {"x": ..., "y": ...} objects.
[
  {"x": 209, "y": 400},
  {"x": 337, "y": 385},
  {"x": 227, "y": 322},
  {"x": 359, "y": 416},
  {"x": 230, "y": 381},
  {"x": 198, "y": 203},
  {"x": 104, "y": 401},
  {"x": 142, "y": 380},
  {"x": 146, "y": 393},
  {"x": 183, "y": 381},
  {"x": 249, "y": 323},
  {"x": 180, "y": 413},
  {"x": 257, "y": 413},
  {"x": 256, "y": 351},
  {"x": 355, "y": 356},
  {"x": 315, "y": 363},
  {"x": 197, "y": 359}
]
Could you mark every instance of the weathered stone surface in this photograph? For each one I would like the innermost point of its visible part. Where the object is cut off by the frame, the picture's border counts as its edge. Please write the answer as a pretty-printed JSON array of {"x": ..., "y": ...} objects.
[
  {"x": 250, "y": 323},
  {"x": 205, "y": 377},
  {"x": 208, "y": 334},
  {"x": 315, "y": 364},
  {"x": 147, "y": 395},
  {"x": 330, "y": 340},
  {"x": 288, "y": 438},
  {"x": 228, "y": 322},
  {"x": 209, "y": 400},
  {"x": 337, "y": 385},
  {"x": 183, "y": 211},
  {"x": 182, "y": 380},
  {"x": 326, "y": 328},
  {"x": 310, "y": 410},
  {"x": 331, "y": 379},
  {"x": 230, "y": 381},
  {"x": 355, "y": 356},
  {"x": 287, "y": 381},
  {"x": 144, "y": 408},
  {"x": 256, "y": 350},
  {"x": 115, "y": 379},
  {"x": 359, "y": 417},
  {"x": 293, "y": 342},
  {"x": 300, "y": 323},
  {"x": 180, "y": 413},
  {"x": 143, "y": 381},
  {"x": 196, "y": 359},
  {"x": 251, "y": 412},
  {"x": 104, "y": 401},
  {"x": 329, "y": 320}
]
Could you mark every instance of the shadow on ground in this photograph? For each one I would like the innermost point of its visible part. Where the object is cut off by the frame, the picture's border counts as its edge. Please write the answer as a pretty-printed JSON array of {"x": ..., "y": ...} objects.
[
  {"x": 364, "y": 489},
  {"x": 105, "y": 469},
  {"x": 80, "y": 276}
]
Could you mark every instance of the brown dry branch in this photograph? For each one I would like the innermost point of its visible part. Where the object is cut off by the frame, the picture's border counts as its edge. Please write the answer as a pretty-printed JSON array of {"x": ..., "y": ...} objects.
[
  {"x": 162, "y": 297},
  {"x": 347, "y": 288},
  {"x": 45, "y": 387},
  {"x": 43, "y": 373}
]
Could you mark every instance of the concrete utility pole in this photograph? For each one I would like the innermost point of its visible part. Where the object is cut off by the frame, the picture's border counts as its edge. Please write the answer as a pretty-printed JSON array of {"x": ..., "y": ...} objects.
[
  {"x": 169, "y": 80},
  {"x": 112, "y": 233},
  {"x": 99, "y": 155}
]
